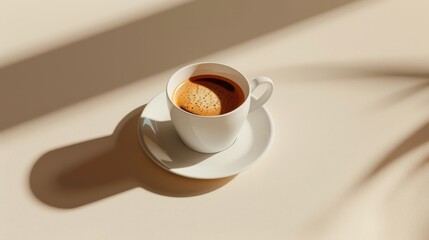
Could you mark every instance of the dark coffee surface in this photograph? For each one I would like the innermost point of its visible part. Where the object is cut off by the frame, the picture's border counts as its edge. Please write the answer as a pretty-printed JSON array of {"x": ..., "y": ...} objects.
[{"x": 208, "y": 95}]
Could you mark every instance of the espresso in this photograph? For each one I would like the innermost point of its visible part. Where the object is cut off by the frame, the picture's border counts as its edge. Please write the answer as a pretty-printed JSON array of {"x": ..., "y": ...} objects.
[{"x": 208, "y": 95}]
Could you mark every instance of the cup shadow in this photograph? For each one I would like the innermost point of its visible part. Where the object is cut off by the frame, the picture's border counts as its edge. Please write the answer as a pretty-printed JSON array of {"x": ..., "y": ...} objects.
[{"x": 89, "y": 171}]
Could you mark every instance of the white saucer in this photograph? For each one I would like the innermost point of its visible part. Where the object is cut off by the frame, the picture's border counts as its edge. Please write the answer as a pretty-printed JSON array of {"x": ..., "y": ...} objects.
[{"x": 161, "y": 142}]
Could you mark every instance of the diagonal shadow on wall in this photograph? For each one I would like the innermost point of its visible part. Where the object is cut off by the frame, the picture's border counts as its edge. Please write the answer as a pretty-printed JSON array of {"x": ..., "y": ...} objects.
[{"x": 139, "y": 49}]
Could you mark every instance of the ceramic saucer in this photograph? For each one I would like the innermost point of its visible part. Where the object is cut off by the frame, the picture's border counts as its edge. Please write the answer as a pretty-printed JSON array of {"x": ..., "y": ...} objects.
[{"x": 161, "y": 142}]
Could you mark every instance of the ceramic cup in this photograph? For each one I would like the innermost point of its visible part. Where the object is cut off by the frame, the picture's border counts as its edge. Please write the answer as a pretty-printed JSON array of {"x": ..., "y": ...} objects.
[{"x": 211, "y": 134}]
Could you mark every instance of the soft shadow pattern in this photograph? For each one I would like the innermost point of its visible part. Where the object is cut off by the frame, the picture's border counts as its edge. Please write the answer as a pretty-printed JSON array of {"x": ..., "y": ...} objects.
[
  {"x": 394, "y": 72},
  {"x": 352, "y": 71},
  {"x": 83, "y": 173},
  {"x": 359, "y": 70},
  {"x": 139, "y": 49},
  {"x": 416, "y": 139}
]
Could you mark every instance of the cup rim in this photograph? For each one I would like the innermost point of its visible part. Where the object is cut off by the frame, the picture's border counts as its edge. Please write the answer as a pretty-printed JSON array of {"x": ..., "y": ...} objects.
[{"x": 213, "y": 116}]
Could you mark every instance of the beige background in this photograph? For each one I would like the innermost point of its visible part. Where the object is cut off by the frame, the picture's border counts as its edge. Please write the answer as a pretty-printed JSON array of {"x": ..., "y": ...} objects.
[{"x": 350, "y": 154}]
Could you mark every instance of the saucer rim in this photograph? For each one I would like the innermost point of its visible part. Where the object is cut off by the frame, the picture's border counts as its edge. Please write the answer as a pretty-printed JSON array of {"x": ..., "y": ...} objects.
[{"x": 159, "y": 163}]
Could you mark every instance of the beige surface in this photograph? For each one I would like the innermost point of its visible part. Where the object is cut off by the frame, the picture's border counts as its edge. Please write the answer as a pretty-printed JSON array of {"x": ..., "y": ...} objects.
[{"x": 349, "y": 159}]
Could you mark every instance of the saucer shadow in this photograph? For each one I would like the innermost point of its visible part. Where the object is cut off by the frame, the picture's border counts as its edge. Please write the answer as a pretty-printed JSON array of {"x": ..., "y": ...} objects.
[
  {"x": 85, "y": 172},
  {"x": 172, "y": 151}
]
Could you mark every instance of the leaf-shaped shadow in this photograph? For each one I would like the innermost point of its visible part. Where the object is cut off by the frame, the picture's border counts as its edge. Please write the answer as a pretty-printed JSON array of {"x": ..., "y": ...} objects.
[{"x": 415, "y": 140}]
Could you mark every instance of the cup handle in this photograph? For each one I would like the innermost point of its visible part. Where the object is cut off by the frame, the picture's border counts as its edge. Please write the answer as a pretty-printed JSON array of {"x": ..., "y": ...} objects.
[{"x": 257, "y": 103}]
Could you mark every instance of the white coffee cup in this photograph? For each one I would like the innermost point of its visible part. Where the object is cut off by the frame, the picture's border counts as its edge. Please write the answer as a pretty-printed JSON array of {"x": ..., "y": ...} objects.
[{"x": 210, "y": 134}]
